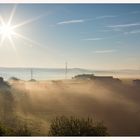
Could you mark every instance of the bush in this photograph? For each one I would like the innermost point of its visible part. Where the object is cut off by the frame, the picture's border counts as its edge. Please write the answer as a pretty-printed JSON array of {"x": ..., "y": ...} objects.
[
  {"x": 14, "y": 79},
  {"x": 72, "y": 126},
  {"x": 4, "y": 131},
  {"x": 23, "y": 131}
]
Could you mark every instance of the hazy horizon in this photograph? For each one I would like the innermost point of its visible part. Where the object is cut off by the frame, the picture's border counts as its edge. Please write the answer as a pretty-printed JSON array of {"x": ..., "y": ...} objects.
[
  {"x": 23, "y": 67},
  {"x": 60, "y": 73}
]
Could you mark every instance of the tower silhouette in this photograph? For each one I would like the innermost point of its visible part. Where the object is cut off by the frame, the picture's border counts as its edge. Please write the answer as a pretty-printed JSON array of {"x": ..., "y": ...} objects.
[
  {"x": 66, "y": 69},
  {"x": 31, "y": 74}
]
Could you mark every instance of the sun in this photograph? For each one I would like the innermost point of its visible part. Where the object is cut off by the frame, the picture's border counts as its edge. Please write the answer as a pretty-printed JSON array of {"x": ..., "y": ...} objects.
[{"x": 6, "y": 31}]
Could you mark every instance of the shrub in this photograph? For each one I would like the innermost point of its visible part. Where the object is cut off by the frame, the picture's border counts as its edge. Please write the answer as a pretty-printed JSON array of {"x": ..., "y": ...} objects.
[
  {"x": 4, "y": 131},
  {"x": 23, "y": 131},
  {"x": 72, "y": 126}
]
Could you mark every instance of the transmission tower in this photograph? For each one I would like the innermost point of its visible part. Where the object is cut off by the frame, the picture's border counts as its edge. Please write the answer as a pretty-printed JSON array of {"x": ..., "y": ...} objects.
[{"x": 66, "y": 69}]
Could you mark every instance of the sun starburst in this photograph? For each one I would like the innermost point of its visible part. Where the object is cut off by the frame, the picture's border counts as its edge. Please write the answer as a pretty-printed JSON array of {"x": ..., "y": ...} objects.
[{"x": 8, "y": 31}]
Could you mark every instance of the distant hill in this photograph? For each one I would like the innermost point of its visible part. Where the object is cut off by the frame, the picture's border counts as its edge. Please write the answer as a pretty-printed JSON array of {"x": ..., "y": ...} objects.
[
  {"x": 59, "y": 73},
  {"x": 74, "y": 70}
]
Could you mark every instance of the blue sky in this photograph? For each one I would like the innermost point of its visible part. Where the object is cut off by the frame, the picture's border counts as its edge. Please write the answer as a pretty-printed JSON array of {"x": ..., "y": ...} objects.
[{"x": 92, "y": 36}]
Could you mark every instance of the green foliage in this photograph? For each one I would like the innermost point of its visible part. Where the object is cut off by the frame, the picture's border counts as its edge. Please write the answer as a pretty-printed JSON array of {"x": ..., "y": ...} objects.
[
  {"x": 23, "y": 131},
  {"x": 72, "y": 126},
  {"x": 4, "y": 131},
  {"x": 60, "y": 126}
]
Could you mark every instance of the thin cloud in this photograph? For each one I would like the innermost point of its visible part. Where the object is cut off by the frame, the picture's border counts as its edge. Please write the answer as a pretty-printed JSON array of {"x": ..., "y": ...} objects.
[
  {"x": 71, "y": 21},
  {"x": 106, "y": 30},
  {"x": 83, "y": 20},
  {"x": 111, "y": 29},
  {"x": 133, "y": 32},
  {"x": 104, "y": 51},
  {"x": 135, "y": 12},
  {"x": 124, "y": 25},
  {"x": 92, "y": 39},
  {"x": 106, "y": 16}
]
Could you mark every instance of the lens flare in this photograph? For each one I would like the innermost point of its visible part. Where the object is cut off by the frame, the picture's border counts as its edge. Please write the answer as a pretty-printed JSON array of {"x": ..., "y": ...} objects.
[{"x": 6, "y": 31}]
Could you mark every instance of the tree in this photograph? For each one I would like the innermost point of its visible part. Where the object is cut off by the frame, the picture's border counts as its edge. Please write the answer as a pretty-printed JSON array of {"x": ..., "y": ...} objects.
[{"x": 72, "y": 126}]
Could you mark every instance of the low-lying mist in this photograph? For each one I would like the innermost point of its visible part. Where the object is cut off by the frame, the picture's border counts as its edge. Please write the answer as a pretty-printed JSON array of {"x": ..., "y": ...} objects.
[{"x": 36, "y": 103}]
